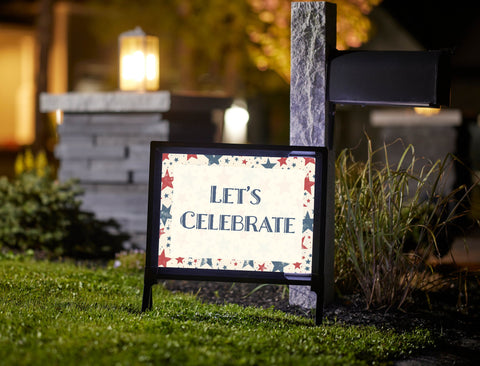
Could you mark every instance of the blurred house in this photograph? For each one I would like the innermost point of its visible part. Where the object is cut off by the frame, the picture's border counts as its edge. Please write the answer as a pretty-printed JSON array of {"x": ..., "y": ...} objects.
[
  {"x": 17, "y": 81},
  {"x": 413, "y": 25},
  {"x": 74, "y": 63},
  {"x": 78, "y": 62}
]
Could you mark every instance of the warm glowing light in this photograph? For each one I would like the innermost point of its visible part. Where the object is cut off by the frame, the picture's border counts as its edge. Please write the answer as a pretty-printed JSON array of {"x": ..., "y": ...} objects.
[
  {"x": 427, "y": 111},
  {"x": 133, "y": 66},
  {"x": 139, "y": 62},
  {"x": 236, "y": 120},
  {"x": 58, "y": 116},
  {"x": 151, "y": 67}
]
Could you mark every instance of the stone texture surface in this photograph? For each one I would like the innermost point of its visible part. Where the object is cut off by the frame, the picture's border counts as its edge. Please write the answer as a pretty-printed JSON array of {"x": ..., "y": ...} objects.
[
  {"x": 301, "y": 296},
  {"x": 308, "y": 93},
  {"x": 431, "y": 143},
  {"x": 109, "y": 154},
  {"x": 104, "y": 142},
  {"x": 106, "y": 102},
  {"x": 313, "y": 32}
]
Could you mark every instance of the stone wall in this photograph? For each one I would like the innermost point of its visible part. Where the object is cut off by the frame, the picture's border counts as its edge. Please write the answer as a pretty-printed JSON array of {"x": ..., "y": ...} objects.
[
  {"x": 432, "y": 137},
  {"x": 104, "y": 143},
  {"x": 109, "y": 154}
]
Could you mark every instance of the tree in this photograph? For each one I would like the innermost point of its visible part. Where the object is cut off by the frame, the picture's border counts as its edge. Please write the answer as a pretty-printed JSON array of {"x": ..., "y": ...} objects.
[
  {"x": 270, "y": 35},
  {"x": 230, "y": 45}
]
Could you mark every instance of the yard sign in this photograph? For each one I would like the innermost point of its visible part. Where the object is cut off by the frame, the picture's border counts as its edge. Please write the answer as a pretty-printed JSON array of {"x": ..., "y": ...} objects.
[
  {"x": 235, "y": 213},
  {"x": 321, "y": 76}
]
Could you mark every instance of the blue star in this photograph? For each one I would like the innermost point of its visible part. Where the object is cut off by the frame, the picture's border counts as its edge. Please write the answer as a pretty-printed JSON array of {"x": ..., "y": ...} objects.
[
  {"x": 207, "y": 261},
  {"x": 278, "y": 266},
  {"x": 227, "y": 161},
  {"x": 268, "y": 164},
  {"x": 307, "y": 261},
  {"x": 307, "y": 223},
  {"x": 248, "y": 263},
  {"x": 213, "y": 159},
  {"x": 165, "y": 214}
]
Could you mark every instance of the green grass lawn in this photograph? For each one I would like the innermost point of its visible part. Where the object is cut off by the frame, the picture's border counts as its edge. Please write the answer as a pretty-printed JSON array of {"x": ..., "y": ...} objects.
[{"x": 63, "y": 314}]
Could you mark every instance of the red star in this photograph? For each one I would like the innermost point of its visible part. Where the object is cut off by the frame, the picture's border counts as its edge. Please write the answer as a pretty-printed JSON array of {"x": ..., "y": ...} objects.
[
  {"x": 164, "y": 157},
  {"x": 309, "y": 160},
  {"x": 308, "y": 185},
  {"x": 303, "y": 246},
  {"x": 297, "y": 265},
  {"x": 163, "y": 259},
  {"x": 244, "y": 162},
  {"x": 191, "y": 156},
  {"x": 167, "y": 181},
  {"x": 162, "y": 231},
  {"x": 261, "y": 267},
  {"x": 282, "y": 161},
  {"x": 180, "y": 260}
]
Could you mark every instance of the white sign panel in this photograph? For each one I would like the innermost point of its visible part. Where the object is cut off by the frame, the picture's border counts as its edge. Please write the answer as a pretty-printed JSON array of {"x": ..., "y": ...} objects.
[{"x": 228, "y": 212}]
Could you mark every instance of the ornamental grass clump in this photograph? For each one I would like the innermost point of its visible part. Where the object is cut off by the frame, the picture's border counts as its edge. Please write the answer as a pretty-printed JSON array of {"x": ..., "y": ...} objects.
[{"x": 390, "y": 219}]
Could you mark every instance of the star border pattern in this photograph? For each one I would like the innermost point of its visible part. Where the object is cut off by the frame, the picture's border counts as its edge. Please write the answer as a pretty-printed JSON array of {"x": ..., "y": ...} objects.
[{"x": 304, "y": 165}]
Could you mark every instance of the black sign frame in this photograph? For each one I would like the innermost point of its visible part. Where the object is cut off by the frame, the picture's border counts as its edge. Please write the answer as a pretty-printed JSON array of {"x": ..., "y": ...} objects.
[{"x": 154, "y": 273}]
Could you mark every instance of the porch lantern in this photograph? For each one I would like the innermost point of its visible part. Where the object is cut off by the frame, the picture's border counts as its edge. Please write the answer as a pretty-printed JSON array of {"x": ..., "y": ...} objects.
[{"x": 139, "y": 61}]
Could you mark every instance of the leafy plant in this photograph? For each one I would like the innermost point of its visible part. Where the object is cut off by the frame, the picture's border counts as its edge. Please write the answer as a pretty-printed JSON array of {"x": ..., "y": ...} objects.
[
  {"x": 389, "y": 220},
  {"x": 130, "y": 261},
  {"x": 41, "y": 214},
  {"x": 30, "y": 163},
  {"x": 250, "y": 35}
]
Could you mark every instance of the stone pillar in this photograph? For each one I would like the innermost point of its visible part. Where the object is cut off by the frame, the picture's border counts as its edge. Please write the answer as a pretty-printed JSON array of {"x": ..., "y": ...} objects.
[
  {"x": 104, "y": 142},
  {"x": 313, "y": 37}
]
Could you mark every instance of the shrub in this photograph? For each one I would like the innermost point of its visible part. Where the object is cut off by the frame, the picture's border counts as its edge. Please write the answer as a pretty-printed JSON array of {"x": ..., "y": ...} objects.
[
  {"x": 130, "y": 261},
  {"x": 389, "y": 220},
  {"x": 41, "y": 214}
]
